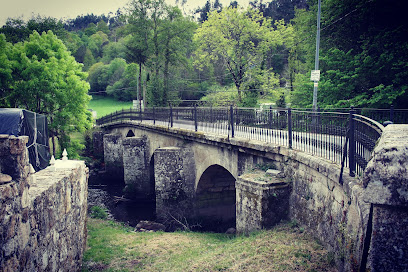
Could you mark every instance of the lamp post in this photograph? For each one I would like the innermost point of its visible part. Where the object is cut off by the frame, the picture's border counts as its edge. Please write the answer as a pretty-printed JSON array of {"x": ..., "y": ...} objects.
[{"x": 317, "y": 72}]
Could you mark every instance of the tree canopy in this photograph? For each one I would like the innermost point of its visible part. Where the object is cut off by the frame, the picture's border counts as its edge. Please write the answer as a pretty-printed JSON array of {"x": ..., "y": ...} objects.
[
  {"x": 240, "y": 39},
  {"x": 40, "y": 75}
]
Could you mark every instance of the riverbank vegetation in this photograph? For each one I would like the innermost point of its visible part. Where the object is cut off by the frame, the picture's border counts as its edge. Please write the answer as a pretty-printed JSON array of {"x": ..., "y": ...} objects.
[{"x": 114, "y": 247}]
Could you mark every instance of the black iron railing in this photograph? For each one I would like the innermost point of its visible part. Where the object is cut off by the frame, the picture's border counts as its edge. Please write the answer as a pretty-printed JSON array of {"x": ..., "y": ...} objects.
[{"x": 344, "y": 138}]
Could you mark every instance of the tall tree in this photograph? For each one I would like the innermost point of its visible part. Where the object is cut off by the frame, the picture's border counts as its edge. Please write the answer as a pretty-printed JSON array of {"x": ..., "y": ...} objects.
[
  {"x": 139, "y": 26},
  {"x": 239, "y": 38},
  {"x": 47, "y": 79}
]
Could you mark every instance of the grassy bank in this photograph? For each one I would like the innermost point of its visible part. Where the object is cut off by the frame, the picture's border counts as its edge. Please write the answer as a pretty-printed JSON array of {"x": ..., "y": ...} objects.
[
  {"x": 104, "y": 105},
  {"x": 112, "y": 247}
]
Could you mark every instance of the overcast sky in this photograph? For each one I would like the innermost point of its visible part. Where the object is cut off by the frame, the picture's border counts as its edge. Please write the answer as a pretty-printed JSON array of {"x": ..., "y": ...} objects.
[{"x": 69, "y": 9}]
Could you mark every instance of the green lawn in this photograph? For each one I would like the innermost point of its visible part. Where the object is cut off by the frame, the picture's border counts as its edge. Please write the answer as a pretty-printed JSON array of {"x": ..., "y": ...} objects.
[
  {"x": 105, "y": 105},
  {"x": 112, "y": 247}
]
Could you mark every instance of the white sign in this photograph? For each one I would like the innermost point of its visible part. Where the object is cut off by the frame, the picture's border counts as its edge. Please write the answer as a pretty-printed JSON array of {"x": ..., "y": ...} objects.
[{"x": 315, "y": 75}]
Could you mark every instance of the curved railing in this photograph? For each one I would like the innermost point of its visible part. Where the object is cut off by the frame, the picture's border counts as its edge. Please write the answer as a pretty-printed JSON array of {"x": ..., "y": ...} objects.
[{"x": 344, "y": 138}]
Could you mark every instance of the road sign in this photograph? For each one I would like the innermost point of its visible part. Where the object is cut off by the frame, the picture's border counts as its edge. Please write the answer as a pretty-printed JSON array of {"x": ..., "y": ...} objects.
[{"x": 315, "y": 75}]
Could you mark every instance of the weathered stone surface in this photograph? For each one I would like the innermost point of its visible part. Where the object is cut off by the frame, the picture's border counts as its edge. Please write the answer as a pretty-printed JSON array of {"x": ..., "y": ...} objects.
[
  {"x": 262, "y": 201},
  {"x": 386, "y": 187},
  {"x": 113, "y": 155},
  {"x": 149, "y": 226},
  {"x": 42, "y": 225},
  {"x": 386, "y": 175},
  {"x": 97, "y": 144},
  {"x": 389, "y": 241},
  {"x": 174, "y": 181},
  {"x": 136, "y": 162},
  {"x": 4, "y": 178}
]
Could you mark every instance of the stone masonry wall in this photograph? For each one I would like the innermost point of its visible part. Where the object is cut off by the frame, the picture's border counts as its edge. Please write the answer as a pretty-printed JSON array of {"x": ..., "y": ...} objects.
[
  {"x": 386, "y": 189},
  {"x": 136, "y": 168},
  {"x": 174, "y": 182},
  {"x": 113, "y": 155},
  {"x": 334, "y": 213},
  {"x": 42, "y": 215}
]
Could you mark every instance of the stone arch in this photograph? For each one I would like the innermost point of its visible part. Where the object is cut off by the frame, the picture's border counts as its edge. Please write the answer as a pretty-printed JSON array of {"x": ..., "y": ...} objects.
[
  {"x": 130, "y": 133},
  {"x": 215, "y": 199}
]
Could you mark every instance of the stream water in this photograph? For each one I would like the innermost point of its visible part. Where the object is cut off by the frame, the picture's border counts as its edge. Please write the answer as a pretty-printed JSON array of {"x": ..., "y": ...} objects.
[{"x": 108, "y": 193}]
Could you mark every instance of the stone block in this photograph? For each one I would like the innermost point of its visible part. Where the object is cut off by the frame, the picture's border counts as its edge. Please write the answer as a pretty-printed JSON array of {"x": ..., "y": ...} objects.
[
  {"x": 262, "y": 201},
  {"x": 136, "y": 166},
  {"x": 174, "y": 176},
  {"x": 113, "y": 155}
]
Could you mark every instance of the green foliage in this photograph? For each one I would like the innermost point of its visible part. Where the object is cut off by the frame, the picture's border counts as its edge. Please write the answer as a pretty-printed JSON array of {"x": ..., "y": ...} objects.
[
  {"x": 46, "y": 79},
  {"x": 17, "y": 30},
  {"x": 240, "y": 39},
  {"x": 363, "y": 58},
  {"x": 220, "y": 97},
  {"x": 99, "y": 212},
  {"x": 124, "y": 89}
]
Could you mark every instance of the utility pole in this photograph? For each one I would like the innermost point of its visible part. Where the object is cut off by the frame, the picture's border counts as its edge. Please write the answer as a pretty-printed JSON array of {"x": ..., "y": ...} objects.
[{"x": 316, "y": 75}]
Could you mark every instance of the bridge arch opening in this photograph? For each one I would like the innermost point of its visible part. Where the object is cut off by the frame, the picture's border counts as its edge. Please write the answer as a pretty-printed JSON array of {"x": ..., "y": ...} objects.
[
  {"x": 215, "y": 199},
  {"x": 130, "y": 133}
]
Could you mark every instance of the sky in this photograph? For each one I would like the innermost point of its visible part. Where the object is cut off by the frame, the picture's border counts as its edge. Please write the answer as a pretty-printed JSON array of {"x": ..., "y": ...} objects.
[{"x": 69, "y": 9}]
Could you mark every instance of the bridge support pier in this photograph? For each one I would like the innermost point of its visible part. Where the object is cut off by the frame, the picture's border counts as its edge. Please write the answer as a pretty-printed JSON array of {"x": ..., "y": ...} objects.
[
  {"x": 113, "y": 155},
  {"x": 136, "y": 168},
  {"x": 174, "y": 174},
  {"x": 262, "y": 201}
]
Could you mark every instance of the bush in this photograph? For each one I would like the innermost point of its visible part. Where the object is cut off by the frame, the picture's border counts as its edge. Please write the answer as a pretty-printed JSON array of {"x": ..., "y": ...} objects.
[{"x": 99, "y": 212}]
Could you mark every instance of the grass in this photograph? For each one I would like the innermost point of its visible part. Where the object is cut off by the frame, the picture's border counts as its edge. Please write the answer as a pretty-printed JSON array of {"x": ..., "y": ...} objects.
[
  {"x": 113, "y": 247},
  {"x": 104, "y": 105}
]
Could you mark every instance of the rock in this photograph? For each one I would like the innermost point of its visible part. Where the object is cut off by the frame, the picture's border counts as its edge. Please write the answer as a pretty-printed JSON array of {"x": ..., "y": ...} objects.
[
  {"x": 4, "y": 178},
  {"x": 143, "y": 226},
  {"x": 274, "y": 173},
  {"x": 231, "y": 231}
]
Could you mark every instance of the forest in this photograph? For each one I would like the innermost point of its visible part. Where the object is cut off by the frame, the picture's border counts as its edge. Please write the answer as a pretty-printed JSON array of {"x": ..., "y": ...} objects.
[{"x": 218, "y": 55}]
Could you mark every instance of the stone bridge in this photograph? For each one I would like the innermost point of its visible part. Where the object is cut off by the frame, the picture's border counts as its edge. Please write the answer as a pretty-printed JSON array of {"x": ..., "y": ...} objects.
[{"x": 363, "y": 219}]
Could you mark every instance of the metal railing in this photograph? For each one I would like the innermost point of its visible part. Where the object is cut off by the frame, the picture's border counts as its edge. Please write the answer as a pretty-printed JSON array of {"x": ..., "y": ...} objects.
[
  {"x": 396, "y": 116},
  {"x": 344, "y": 138}
]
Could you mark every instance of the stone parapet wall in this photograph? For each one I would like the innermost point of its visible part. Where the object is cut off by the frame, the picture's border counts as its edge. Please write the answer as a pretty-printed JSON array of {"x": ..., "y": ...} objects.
[
  {"x": 42, "y": 215},
  {"x": 334, "y": 213},
  {"x": 386, "y": 189}
]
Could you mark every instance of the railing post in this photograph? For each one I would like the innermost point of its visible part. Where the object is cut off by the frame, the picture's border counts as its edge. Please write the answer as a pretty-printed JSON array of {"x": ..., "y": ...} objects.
[
  {"x": 154, "y": 116},
  {"x": 140, "y": 113},
  {"x": 352, "y": 144},
  {"x": 211, "y": 114},
  {"x": 392, "y": 113},
  {"x": 195, "y": 117},
  {"x": 232, "y": 121},
  {"x": 290, "y": 136},
  {"x": 171, "y": 116}
]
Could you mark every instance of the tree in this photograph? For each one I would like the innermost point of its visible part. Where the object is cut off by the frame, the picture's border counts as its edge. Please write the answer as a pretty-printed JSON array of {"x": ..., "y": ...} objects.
[
  {"x": 175, "y": 36},
  {"x": 17, "y": 30},
  {"x": 363, "y": 53},
  {"x": 5, "y": 69},
  {"x": 139, "y": 25},
  {"x": 239, "y": 38},
  {"x": 46, "y": 79},
  {"x": 279, "y": 9}
]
